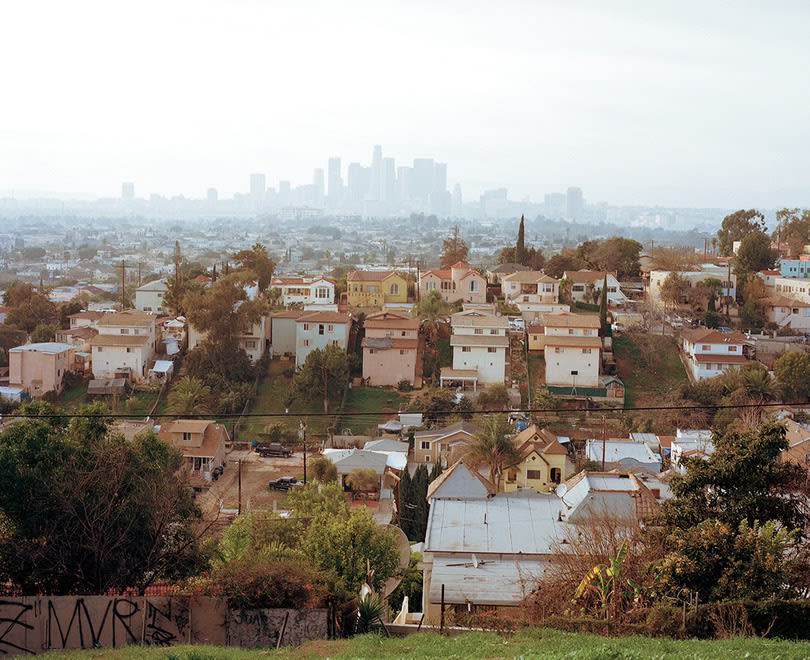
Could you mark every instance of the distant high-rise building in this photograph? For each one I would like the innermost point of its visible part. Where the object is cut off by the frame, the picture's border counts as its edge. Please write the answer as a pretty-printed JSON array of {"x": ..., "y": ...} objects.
[
  {"x": 404, "y": 183},
  {"x": 376, "y": 173},
  {"x": 212, "y": 195},
  {"x": 458, "y": 202},
  {"x": 439, "y": 177},
  {"x": 573, "y": 203},
  {"x": 422, "y": 178},
  {"x": 554, "y": 205},
  {"x": 284, "y": 192},
  {"x": 127, "y": 190},
  {"x": 334, "y": 181},
  {"x": 317, "y": 183},
  {"x": 258, "y": 186},
  {"x": 359, "y": 181},
  {"x": 387, "y": 179}
]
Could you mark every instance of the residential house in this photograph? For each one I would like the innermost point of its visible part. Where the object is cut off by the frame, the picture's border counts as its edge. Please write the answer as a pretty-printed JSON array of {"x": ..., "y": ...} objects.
[
  {"x": 543, "y": 461},
  {"x": 690, "y": 444},
  {"x": 709, "y": 352},
  {"x": 459, "y": 282},
  {"x": 623, "y": 454},
  {"x": 392, "y": 350},
  {"x": 793, "y": 288},
  {"x": 572, "y": 351},
  {"x": 305, "y": 289},
  {"x": 795, "y": 268},
  {"x": 149, "y": 297},
  {"x": 319, "y": 330},
  {"x": 479, "y": 345},
  {"x": 721, "y": 272},
  {"x": 533, "y": 292},
  {"x": 202, "y": 442},
  {"x": 383, "y": 463},
  {"x": 80, "y": 338},
  {"x": 366, "y": 288},
  {"x": 446, "y": 444},
  {"x": 282, "y": 334},
  {"x": 486, "y": 551},
  {"x": 87, "y": 319},
  {"x": 798, "y": 439},
  {"x": 496, "y": 274},
  {"x": 585, "y": 284},
  {"x": 125, "y": 346},
  {"x": 40, "y": 368},
  {"x": 787, "y": 312},
  {"x": 255, "y": 340}
]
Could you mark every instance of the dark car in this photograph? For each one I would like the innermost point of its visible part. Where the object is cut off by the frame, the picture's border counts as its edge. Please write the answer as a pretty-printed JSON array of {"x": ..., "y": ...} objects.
[
  {"x": 274, "y": 449},
  {"x": 284, "y": 483}
]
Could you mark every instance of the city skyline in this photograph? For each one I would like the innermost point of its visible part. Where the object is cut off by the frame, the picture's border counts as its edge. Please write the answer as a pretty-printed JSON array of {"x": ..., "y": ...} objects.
[{"x": 695, "y": 104}]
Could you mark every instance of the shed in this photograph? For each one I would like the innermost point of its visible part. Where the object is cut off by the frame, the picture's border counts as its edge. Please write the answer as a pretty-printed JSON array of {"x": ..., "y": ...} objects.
[
  {"x": 107, "y": 387},
  {"x": 162, "y": 371}
]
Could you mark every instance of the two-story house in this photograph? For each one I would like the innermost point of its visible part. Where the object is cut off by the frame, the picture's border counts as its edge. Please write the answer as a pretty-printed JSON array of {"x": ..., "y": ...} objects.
[
  {"x": 533, "y": 292},
  {"x": 282, "y": 330},
  {"x": 367, "y": 288},
  {"x": 480, "y": 346},
  {"x": 149, "y": 297},
  {"x": 125, "y": 346},
  {"x": 586, "y": 283},
  {"x": 202, "y": 442},
  {"x": 459, "y": 282},
  {"x": 787, "y": 312},
  {"x": 40, "y": 368},
  {"x": 319, "y": 330},
  {"x": 87, "y": 319},
  {"x": 543, "y": 461},
  {"x": 572, "y": 350},
  {"x": 392, "y": 350},
  {"x": 446, "y": 444},
  {"x": 709, "y": 352},
  {"x": 305, "y": 289}
]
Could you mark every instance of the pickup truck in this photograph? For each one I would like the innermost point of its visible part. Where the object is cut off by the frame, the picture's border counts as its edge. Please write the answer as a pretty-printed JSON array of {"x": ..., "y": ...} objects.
[
  {"x": 284, "y": 483},
  {"x": 274, "y": 449}
]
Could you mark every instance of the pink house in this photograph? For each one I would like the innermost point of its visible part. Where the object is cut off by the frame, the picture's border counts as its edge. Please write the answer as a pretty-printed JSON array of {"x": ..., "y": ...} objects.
[
  {"x": 40, "y": 368},
  {"x": 392, "y": 350},
  {"x": 459, "y": 282}
]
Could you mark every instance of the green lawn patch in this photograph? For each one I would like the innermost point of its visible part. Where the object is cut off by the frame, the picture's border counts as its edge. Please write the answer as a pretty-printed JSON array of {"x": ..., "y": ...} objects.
[
  {"x": 649, "y": 366},
  {"x": 378, "y": 403},
  {"x": 537, "y": 372},
  {"x": 527, "y": 643}
]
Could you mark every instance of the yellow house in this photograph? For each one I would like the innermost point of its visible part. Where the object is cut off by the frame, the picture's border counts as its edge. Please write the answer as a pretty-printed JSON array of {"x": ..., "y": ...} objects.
[
  {"x": 374, "y": 289},
  {"x": 543, "y": 461}
]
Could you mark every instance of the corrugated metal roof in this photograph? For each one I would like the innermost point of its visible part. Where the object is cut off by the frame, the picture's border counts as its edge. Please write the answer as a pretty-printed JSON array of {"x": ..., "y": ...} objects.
[{"x": 492, "y": 582}]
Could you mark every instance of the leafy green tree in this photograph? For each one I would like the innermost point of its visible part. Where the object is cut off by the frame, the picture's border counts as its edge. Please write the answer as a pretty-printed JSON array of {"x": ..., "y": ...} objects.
[
  {"x": 44, "y": 332},
  {"x": 566, "y": 260},
  {"x": 674, "y": 289},
  {"x": 322, "y": 469},
  {"x": 222, "y": 366},
  {"x": 432, "y": 310},
  {"x": 256, "y": 264},
  {"x": 604, "y": 330},
  {"x": 792, "y": 371},
  {"x": 494, "y": 397},
  {"x": 73, "y": 306},
  {"x": 190, "y": 396},
  {"x": 363, "y": 480},
  {"x": 615, "y": 254},
  {"x": 107, "y": 514},
  {"x": 755, "y": 253},
  {"x": 323, "y": 375},
  {"x": 28, "y": 306},
  {"x": 10, "y": 337},
  {"x": 410, "y": 584},
  {"x": 737, "y": 226},
  {"x": 793, "y": 228},
  {"x": 435, "y": 404},
  {"x": 492, "y": 447}
]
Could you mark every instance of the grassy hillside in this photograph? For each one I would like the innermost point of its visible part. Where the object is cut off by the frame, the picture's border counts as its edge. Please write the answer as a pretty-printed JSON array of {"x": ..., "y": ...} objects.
[
  {"x": 531, "y": 643},
  {"x": 649, "y": 366}
]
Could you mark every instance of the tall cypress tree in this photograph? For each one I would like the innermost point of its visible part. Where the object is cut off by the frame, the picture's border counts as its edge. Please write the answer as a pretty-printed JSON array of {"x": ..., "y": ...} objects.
[
  {"x": 520, "y": 247},
  {"x": 436, "y": 472},
  {"x": 603, "y": 308},
  {"x": 406, "y": 513},
  {"x": 421, "y": 510}
]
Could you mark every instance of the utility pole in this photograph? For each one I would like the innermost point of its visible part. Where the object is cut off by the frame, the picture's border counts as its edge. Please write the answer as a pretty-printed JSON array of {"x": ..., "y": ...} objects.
[
  {"x": 123, "y": 285},
  {"x": 604, "y": 442},
  {"x": 239, "y": 488},
  {"x": 302, "y": 434}
]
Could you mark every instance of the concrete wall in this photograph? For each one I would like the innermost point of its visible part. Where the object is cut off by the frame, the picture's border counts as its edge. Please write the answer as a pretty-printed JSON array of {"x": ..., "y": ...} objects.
[{"x": 39, "y": 624}]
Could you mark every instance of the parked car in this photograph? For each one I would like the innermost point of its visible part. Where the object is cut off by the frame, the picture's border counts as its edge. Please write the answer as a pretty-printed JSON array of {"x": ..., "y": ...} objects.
[
  {"x": 517, "y": 323},
  {"x": 284, "y": 483},
  {"x": 274, "y": 449}
]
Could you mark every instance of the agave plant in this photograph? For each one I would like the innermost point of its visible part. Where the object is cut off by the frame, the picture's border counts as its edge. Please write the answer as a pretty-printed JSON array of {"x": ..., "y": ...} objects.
[{"x": 369, "y": 614}]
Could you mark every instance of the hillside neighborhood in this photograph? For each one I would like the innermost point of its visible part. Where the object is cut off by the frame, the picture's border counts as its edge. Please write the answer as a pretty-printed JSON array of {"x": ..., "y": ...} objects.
[{"x": 492, "y": 413}]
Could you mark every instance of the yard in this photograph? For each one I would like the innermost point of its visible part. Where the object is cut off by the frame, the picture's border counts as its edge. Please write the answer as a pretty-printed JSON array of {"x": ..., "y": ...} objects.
[
  {"x": 368, "y": 406},
  {"x": 136, "y": 403},
  {"x": 649, "y": 366}
]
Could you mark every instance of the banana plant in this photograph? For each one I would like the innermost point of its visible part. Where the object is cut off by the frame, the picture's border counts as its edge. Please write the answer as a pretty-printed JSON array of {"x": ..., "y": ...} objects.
[{"x": 604, "y": 580}]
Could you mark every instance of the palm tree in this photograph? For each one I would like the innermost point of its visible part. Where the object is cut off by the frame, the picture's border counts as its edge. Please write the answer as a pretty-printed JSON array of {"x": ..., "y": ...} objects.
[
  {"x": 759, "y": 385},
  {"x": 190, "y": 396},
  {"x": 493, "y": 447}
]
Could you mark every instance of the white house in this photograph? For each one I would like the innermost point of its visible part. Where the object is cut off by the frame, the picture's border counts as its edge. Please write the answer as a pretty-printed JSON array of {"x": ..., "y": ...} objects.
[
  {"x": 319, "y": 330},
  {"x": 304, "y": 289},
  {"x": 693, "y": 277},
  {"x": 479, "y": 344},
  {"x": 791, "y": 287},
  {"x": 125, "y": 345},
  {"x": 624, "y": 454},
  {"x": 533, "y": 292},
  {"x": 149, "y": 297},
  {"x": 583, "y": 282},
  {"x": 572, "y": 350},
  {"x": 254, "y": 341},
  {"x": 709, "y": 352},
  {"x": 788, "y": 313},
  {"x": 690, "y": 444}
]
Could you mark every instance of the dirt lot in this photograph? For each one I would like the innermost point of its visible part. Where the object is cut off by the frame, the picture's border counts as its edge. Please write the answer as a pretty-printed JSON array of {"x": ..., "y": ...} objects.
[{"x": 256, "y": 472}]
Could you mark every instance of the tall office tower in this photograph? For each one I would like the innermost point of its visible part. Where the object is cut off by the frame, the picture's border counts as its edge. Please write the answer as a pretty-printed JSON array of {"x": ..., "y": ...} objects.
[
  {"x": 439, "y": 177},
  {"x": 422, "y": 178},
  {"x": 335, "y": 182},
  {"x": 458, "y": 202},
  {"x": 387, "y": 179},
  {"x": 404, "y": 183},
  {"x": 258, "y": 186},
  {"x": 359, "y": 181},
  {"x": 573, "y": 203},
  {"x": 127, "y": 190},
  {"x": 376, "y": 173},
  {"x": 317, "y": 183},
  {"x": 440, "y": 200},
  {"x": 283, "y": 192},
  {"x": 554, "y": 205},
  {"x": 212, "y": 195}
]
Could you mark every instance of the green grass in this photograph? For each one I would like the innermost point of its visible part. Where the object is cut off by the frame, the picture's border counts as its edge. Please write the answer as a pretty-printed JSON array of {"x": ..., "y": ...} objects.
[
  {"x": 537, "y": 372},
  {"x": 649, "y": 366},
  {"x": 369, "y": 400},
  {"x": 529, "y": 643},
  {"x": 74, "y": 397}
]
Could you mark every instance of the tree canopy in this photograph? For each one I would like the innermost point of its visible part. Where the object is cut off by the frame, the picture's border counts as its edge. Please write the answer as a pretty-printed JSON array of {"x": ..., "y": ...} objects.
[
  {"x": 615, "y": 254},
  {"x": 454, "y": 249},
  {"x": 323, "y": 376},
  {"x": 755, "y": 253},
  {"x": 793, "y": 229},
  {"x": 493, "y": 448},
  {"x": 737, "y": 226},
  {"x": 28, "y": 306},
  {"x": 256, "y": 264}
]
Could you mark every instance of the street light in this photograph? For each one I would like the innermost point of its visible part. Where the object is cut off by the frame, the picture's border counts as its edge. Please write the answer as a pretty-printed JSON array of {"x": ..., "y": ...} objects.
[{"x": 302, "y": 436}]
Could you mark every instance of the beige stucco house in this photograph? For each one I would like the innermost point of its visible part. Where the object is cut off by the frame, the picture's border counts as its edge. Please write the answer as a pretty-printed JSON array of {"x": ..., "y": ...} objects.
[
  {"x": 40, "y": 368},
  {"x": 202, "y": 442},
  {"x": 459, "y": 282},
  {"x": 392, "y": 350}
]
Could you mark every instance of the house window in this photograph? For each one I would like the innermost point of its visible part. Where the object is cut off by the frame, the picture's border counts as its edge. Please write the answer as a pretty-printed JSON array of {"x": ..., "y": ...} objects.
[
  {"x": 306, "y": 327},
  {"x": 556, "y": 475},
  {"x": 99, "y": 349},
  {"x": 124, "y": 331},
  {"x": 250, "y": 344},
  {"x": 465, "y": 349},
  {"x": 492, "y": 349},
  {"x": 427, "y": 458},
  {"x": 570, "y": 331},
  {"x": 705, "y": 347},
  {"x": 371, "y": 351},
  {"x": 511, "y": 476},
  {"x": 402, "y": 351},
  {"x": 129, "y": 350},
  {"x": 534, "y": 474},
  {"x": 473, "y": 286},
  {"x": 394, "y": 289},
  {"x": 493, "y": 331},
  {"x": 335, "y": 342},
  {"x": 586, "y": 351},
  {"x": 306, "y": 343},
  {"x": 732, "y": 349},
  {"x": 425, "y": 444},
  {"x": 403, "y": 333},
  {"x": 320, "y": 328},
  {"x": 479, "y": 331},
  {"x": 186, "y": 436},
  {"x": 330, "y": 328},
  {"x": 430, "y": 286},
  {"x": 557, "y": 349}
]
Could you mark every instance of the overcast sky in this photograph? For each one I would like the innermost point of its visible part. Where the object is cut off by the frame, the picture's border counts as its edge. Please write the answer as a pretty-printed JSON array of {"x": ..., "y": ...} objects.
[{"x": 689, "y": 103}]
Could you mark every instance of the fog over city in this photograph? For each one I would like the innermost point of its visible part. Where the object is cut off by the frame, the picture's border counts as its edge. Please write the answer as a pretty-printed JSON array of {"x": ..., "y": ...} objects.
[{"x": 691, "y": 104}]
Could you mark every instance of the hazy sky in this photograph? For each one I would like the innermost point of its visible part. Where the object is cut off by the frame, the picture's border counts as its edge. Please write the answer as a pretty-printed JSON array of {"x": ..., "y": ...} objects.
[{"x": 691, "y": 103}]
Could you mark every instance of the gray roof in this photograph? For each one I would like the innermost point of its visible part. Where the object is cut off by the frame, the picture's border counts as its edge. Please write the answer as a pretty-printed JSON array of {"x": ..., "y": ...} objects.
[
  {"x": 466, "y": 427},
  {"x": 43, "y": 347}
]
